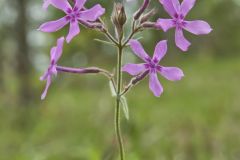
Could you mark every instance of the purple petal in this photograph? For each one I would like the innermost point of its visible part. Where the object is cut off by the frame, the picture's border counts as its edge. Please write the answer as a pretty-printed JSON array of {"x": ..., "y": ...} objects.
[
  {"x": 61, "y": 4},
  {"x": 93, "y": 13},
  {"x": 198, "y": 27},
  {"x": 59, "y": 48},
  {"x": 181, "y": 41},
  {"x": 165, "y": 24},
  {"x": 53, "y": 54},
  {"x": 44, "y": 76},
  {"x": 53, "y": 26},
  {"x": 138, "y": 50},
  {"x": 171, "y": 73},
  {"x": 186, "y": 6},
  {"x": 80, "y": 3},
  {"x": 46, "y": 88},
  {"x": 176, "y": 5},
  {"x": 160, "y": 50},
  {"x": 73, "y": 31},
  {"x": 168, "y": 6},
  {"x": 155, "y": 85},
  {"x": 134, "y": 69}
]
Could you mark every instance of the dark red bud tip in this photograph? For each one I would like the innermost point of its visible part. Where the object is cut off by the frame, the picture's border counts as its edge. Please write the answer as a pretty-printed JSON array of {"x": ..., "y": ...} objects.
[{"x": 141, "y": 9}]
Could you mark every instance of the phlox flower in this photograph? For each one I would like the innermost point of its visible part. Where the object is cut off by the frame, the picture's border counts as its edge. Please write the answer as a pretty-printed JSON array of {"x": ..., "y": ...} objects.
[
  {"x": 55, "y": 54},
  {"x": 178, "y": 12},
  {"x": 151, "y": 65},
  {"x": 74, "y": 16}
]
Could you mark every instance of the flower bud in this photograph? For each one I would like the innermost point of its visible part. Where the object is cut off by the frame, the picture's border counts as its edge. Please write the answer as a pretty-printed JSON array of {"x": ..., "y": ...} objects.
[
  {"x": 150, "y": 25},
  {"x": 92, "y": 25},
  {"x": 119, "y": 17},
  {"x": 138, "y": 78},
  {"x": 141, "y": 9},
  {"x": 148, "y": 15}
]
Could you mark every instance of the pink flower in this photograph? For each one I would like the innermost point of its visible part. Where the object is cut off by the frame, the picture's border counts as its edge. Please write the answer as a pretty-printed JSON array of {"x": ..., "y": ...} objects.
[
  {"x": 178, "y": 13},
  {"x": 56, "y": 53},
  {"x": 151, "y": 65},
  {"x": 73, "y": 16}
]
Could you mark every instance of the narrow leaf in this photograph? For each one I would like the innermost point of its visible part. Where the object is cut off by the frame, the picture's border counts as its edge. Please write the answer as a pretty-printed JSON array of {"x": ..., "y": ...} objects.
[
  {"x": 104, "y": 42},
  {"x": 124, "y": 103},
  {"x": 112, "y": 89}
]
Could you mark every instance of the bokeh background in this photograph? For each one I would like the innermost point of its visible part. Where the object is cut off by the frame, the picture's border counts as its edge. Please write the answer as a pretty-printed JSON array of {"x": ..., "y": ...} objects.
[{"x": 197, "y": 118}]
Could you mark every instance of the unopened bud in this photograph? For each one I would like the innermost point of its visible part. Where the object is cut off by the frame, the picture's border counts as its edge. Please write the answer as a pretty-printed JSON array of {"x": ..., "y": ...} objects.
[
  {"x": 119, "y": 16},
  {"x": 139, "y": 78},
  {"x": 149, "y": 25},
  {"x": 148, "y": 15},
  {"x": 141, "y": 9},
  {"x": 92, "y": 25}
]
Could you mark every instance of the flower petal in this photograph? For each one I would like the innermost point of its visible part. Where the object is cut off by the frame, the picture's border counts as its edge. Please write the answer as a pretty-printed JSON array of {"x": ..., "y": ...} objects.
[
  {"x": 165, "y": 24},
  {"x": 160, "y": 51},
  {"x": 53, "y": 26},
  {"x": 168, "y": 6},
  {"x": 171, "y": 73},
  {"x": 198, "y": 27},
  {"x": 154, "y": 85},
  {"x": 59, "y": 48},
  {"x": 53, "y": 53},
  {"x": 80, "y": 3},
  {"x": 186, "y": 6},
  {"x": 49, "y": 80},
  {"x": 134, "y": 69},
  {"x": 176, "y": 5},
  {"x": 138, "y": 50},
  {"x": 93, "y": 13},
  {"x": 61, "y": 4},
  {"x": 44, "y": 76},
  {"x": 181, "y": 41},
  {"x": 73, "y": 31}
]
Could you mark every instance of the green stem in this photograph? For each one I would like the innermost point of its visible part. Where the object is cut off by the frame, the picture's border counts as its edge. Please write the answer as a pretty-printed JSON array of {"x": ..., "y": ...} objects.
[{"x": 117, "y": 112}]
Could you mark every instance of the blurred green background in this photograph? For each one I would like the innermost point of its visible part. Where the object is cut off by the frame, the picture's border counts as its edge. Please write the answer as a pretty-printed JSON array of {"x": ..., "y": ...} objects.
[{"x": 197, "y": 118}]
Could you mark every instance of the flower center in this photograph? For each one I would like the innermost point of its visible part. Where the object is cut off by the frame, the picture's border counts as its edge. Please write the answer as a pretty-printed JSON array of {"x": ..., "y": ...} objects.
[
  {"x": 73, "y": 14},
  {"x": 152, "y": 66},
  {"x": 179, "y": 21}
]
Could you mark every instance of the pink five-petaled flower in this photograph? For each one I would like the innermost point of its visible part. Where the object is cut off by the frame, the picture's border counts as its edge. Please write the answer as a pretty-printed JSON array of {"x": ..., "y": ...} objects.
[
  {"x": 73, "y": 16},
  {"x": 178, "y": 13},
  {"x": 56, "y": 53},
  {"x": 152, "y": 66}
]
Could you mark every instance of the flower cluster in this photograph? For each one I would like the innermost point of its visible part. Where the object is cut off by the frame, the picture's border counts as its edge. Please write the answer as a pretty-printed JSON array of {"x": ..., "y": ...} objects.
[{"x": 78, "y": 14}]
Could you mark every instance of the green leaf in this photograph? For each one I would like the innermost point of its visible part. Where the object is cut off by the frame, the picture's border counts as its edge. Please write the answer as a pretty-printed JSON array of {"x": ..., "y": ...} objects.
[
  {"x": 139, "y": 38},
  {"x": 104, "y": 42},
  {"x": 124, "y": 103},
  {"x": 112, "y": 89}
]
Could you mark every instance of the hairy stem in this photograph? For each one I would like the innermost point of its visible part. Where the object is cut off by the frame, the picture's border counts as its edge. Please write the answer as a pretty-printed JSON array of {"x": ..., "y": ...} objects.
[{"x": 117, "y": 111}]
